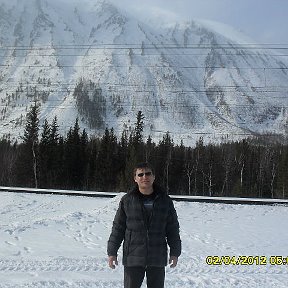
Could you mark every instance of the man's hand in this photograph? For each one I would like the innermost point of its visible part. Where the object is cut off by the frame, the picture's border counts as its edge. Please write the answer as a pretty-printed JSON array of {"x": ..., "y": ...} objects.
[
  {"x": 173, "y": 261},
  {"x": 112, "y": 261}
]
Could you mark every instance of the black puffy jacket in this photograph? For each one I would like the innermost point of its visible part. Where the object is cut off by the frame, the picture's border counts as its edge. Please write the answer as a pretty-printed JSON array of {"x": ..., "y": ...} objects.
[{"x": 145, "y": 244}]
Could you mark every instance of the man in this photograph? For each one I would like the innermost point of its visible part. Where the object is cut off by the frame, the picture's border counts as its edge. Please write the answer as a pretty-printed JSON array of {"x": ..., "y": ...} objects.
[{"x": 146, "y": 220}]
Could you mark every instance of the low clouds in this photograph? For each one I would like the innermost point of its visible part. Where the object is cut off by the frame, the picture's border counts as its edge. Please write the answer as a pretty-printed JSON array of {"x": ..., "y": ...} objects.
[{"x": 263, "y": 20}]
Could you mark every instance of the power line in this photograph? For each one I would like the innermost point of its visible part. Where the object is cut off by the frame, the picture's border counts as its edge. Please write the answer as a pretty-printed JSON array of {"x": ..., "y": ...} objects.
[
  {"x": 140, "y": 54},
  {"x": 145, "y": 66},
  {"x": 168, "y": 105},
  {"x": 240, "y": 92},
  {"x": 150, "y": 46}
]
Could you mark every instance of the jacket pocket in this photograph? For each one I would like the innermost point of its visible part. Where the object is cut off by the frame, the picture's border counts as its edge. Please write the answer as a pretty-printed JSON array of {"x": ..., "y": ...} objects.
[{"x": 127, "y": 242}]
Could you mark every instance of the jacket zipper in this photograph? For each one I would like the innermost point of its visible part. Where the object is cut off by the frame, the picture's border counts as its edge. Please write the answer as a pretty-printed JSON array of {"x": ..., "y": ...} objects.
[
  {"x": 146, "y": 225},
  {"x": 147, "y": 231}
]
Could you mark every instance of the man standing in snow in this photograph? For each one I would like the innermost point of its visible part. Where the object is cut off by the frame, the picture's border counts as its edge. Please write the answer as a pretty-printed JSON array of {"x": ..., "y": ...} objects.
[{"x": 146, "y": 220}]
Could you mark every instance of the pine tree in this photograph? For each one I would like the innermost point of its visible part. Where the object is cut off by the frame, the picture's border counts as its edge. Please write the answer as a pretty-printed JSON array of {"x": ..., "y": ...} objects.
[
  {"x": 70, "y": 156},
  {"x": 92, "y": 163},
  {"x": 136, "y": 144},
  {"x": 73, "y": 160},
  {"x": 44, "y": 155},
  {"x": 135, "y": 152},
  {"x": 198, "y": 159},
  {"x": 122, "y": 156},
  {"x": 27, "y": 172},
  {"x": 8, "y": 156},
  {"x": 282, "y": 174},
  {"x": 83, "y": 161},
  {"x": 54, "y": 132},
  {"x": 108, "y": 164},
  {"x": 32, "y": 126},
  {"x": 177, "y": 177},
  {"x": 164, "y": 154},
  {"x": 149, "y": 147},
  {"x": 138, "y": 132},
  {"x": 56, "y": 159}
]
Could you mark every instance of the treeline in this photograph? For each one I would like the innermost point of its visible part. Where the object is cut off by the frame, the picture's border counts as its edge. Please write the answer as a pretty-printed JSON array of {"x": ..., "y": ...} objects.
[{"x": 247, "y": 168}]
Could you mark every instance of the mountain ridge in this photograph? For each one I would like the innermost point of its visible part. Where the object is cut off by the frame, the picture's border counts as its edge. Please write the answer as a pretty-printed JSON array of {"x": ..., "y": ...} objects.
[{"x": 93, "y": 61}]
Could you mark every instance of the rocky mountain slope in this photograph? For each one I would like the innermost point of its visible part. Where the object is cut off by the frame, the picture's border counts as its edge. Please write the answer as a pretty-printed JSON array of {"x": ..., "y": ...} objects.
[{"x": 92, "y": 60}]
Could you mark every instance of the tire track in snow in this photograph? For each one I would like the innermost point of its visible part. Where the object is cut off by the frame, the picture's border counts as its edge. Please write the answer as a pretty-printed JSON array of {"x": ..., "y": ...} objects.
[
  {"x": 57, "y": 264},
  {"x": 186, "y": 266}
]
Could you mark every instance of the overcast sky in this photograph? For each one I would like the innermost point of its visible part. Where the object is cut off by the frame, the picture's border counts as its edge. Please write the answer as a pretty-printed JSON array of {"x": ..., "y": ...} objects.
[{"x": 265, "y": 21}]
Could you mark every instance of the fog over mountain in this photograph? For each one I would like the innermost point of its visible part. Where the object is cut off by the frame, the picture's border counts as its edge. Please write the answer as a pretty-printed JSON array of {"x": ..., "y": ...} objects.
[{"x": 92, "y": 60}]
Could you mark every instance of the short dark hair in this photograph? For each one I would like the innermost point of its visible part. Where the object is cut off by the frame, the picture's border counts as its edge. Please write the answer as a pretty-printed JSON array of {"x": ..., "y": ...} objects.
[{"x": 143, "y": 165}]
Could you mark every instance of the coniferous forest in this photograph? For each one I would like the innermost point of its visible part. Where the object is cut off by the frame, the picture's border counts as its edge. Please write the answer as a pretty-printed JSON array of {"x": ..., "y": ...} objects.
[{"x": 45, "y": 159}]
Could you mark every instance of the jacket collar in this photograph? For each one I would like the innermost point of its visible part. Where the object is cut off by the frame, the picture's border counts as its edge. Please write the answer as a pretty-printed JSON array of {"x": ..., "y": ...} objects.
[{"x": 156, "y": 188}]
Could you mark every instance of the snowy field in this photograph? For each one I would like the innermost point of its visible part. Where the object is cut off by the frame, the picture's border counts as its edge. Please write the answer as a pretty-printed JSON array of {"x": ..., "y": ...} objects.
[{"x": 60, "y": 241}]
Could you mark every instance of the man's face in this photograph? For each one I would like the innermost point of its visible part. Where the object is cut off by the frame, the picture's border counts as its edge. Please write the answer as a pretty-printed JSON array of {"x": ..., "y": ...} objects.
[{"x": 144, "y": 178}]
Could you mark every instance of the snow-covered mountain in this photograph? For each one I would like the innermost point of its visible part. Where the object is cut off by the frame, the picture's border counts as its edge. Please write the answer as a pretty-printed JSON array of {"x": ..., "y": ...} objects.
[{"x": 92, "y": 60}]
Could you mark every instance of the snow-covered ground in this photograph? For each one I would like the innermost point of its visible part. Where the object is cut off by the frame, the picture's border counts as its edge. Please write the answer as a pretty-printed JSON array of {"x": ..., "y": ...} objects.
[{"x": 60, "y": 241}]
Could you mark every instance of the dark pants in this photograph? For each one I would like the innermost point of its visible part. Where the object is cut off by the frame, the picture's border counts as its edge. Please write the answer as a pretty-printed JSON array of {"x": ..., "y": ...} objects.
[{"x": 133, "y": 277}]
